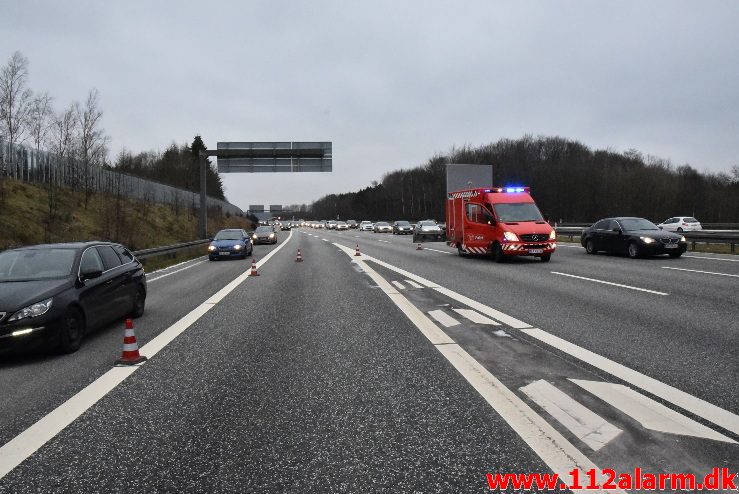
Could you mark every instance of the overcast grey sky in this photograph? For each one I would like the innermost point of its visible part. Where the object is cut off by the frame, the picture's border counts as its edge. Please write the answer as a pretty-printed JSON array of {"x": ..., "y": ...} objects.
[{"x": 391, "y": 83}]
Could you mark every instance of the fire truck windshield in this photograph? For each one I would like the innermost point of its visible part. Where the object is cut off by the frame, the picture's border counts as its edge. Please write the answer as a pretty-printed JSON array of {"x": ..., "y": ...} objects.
[{"x": 519, "y": 211}]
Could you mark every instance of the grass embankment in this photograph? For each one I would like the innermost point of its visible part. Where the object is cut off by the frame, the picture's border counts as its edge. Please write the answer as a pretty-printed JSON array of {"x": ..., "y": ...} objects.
[{"x": 25, "y": 220}]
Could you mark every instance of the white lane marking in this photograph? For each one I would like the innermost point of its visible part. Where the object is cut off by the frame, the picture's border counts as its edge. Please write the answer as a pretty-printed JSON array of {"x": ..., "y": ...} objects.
[
  {"x": 647, "y": 412},
  {"x": 712, "y": 258},
  {"x": 588, "y": 426},
  {"x": 176, "y": 265},
  {"x": 553, "y": 448},
  {"x": 325, "y": 239},
  {"x": 379, "y": 240},
  {"x": 704, "y": 272},
  {"x": 173, "y": 272},
  {"x": 609, "y": 283},
  {"x": 357, "y": 236},
  {"x": 15, "y": 451},
  {"x": 437, "y": 250},
  {"x": 413, "y": 284},
  {"x": 475, "y": 317},
  {"x": 690, "y": 403},
  {"x": 443, "y": 318},
  {"x": 488, "y": 311},
  {"x": 399, "y": 285},
  {"x": 559, "y": 244}
]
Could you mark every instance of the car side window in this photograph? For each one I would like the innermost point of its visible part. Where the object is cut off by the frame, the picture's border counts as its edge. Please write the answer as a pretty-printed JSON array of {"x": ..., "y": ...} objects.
[
  {"x": 110, "y": 258},
  {"x": 601, "y": 225},
  {"x": 125, "y": 255},
  {"x": 613, "y": 225},
  {"x": 91, "y": 261}
]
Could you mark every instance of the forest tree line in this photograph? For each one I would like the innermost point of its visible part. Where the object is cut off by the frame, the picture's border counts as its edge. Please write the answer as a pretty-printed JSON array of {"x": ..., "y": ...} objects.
[{"x": 570, "y": 182}]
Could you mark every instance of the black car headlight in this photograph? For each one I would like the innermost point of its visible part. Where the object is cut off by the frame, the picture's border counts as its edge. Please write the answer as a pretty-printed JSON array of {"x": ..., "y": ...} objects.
[{"x": 35, "y": 310}]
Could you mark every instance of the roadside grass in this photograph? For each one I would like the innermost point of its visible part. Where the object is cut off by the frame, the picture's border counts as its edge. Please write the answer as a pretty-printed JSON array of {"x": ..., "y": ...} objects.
[{"x": 25, "y": 219}]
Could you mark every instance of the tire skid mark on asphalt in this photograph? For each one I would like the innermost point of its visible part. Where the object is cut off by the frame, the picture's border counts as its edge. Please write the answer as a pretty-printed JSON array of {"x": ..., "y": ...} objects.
[
  {"x": 701, "y": 408},
  {"x": 22, "y": 446}
]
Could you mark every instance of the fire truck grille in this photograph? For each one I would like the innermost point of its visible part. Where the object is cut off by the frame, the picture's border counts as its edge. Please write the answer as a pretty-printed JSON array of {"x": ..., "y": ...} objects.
[{"x": 534, "y": 237}]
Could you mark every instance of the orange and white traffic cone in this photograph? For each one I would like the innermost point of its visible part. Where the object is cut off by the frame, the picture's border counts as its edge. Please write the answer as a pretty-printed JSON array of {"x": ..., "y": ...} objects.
[
  {"x": 254, "y": 271},
  {"x": 299, "y": 258},
  {"x": 357, "y": 252},
  {"x": 419, "y": 247},
  {"x": 130, "y": 355}
]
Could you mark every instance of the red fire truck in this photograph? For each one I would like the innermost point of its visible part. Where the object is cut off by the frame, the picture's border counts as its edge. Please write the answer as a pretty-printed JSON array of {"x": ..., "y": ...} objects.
[{"x": 501, "y": 221}]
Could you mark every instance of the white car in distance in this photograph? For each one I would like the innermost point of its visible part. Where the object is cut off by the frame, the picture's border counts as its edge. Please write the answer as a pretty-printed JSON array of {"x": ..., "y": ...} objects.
[{"x": 681, "y": 224}]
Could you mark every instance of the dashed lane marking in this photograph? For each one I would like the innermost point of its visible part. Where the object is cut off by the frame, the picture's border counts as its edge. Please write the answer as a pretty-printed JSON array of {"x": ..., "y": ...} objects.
[
  {"x": 15, "y": 451},
  {"x": 686, "y": 401},
  {"x": 413, "y": 284},
  {"x": 650, "y": 414},
  {"x": 703, "y": 272},
  {"x": 475, "y": 317},
  {"x": 585, "y": 424},
  {"x": 610, "y": 283},
  {"x": 437, "y": 250},
  {"x": 443, "y": 318},
  {"x": 399, "y": 285}
]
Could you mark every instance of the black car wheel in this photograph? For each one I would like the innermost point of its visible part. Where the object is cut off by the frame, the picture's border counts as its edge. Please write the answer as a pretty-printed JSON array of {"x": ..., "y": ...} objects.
[
  {"x": 498, "y": 255},
  {"x": 139, "y": 303},
  {"x": 590, "y": 246},
  {"x": 633, "y": 250},
  {"x": 73, "y": 330}
]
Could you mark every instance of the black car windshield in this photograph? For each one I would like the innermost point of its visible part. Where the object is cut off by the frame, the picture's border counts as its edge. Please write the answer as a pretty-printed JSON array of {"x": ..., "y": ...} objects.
[
  {"x": 229, "y": 235},
  {"x": 381, "y": 223},
  {"x": 402, "y": 223},
  {"x": 637, "y": 224},
  {"x": 36, "y": 264},
  {"x": 518, "y": 211},
  {"x": 264, "y": 229}
]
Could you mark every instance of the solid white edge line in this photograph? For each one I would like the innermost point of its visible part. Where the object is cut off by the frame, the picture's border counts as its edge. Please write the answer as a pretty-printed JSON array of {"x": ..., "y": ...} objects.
[
  {"x": 703, "y": 272},
  {"x": 609, "y": 283},
  {"x": 173, "y": 272},
  {"x": 178, "y": 264},
  {"x": 18, "y": 449},
  {"x": 690, "y": 403},
  {"x": 553, "y": 448},
  {"x": 712, "y": 258}
]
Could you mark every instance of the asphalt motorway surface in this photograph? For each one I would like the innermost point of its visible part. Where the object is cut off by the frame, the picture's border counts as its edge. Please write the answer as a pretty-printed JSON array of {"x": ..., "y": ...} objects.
[{"x": 323, "y": 376}]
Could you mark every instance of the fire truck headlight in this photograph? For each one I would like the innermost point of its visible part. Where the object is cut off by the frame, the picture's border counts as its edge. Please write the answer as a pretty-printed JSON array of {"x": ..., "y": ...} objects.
[
  {"x": 510, "y": 236},
  {"x": 553, "y": 235}
]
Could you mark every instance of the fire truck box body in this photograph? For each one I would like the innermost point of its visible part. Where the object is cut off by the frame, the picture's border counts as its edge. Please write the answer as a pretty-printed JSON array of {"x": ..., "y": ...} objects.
[{"x": 500, "y": 221}]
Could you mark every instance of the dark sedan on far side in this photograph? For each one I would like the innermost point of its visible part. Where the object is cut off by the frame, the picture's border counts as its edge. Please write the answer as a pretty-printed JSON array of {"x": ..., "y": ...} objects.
[
  {"x": 635, "y": 237},
  {"x": 54, "y": 294}
]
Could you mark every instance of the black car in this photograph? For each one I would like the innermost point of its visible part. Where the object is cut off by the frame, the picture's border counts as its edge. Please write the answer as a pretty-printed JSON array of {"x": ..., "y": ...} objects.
[
  {"x": 402, "y": 228},
  {"x": 636, "y": 237},
  {"x": 53, "y": 294}
]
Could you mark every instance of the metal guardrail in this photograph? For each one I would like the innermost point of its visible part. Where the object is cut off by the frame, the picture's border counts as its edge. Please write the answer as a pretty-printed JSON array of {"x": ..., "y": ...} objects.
[
  {"x": 704, "y": 236},
  {"x": 168, "y": 249}
]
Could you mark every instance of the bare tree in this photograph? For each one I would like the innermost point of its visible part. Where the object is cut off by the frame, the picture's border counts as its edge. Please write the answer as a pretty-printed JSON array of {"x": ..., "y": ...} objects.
[
  {"x": 40, "y": 119},
  {"x": 92, "y": 140},
  {"x": 14, "y": 103}
]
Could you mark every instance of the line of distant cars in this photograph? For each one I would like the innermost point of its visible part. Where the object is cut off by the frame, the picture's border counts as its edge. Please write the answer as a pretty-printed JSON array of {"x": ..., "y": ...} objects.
[{"x": 422, "y": 230}]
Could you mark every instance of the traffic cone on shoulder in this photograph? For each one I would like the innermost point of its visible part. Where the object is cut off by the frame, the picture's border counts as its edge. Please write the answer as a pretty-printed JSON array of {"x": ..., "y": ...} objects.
[
  {"x": 419, "y": 247},
  {"x": 254, "y": 271},
  {"x": 130, "y": 355},
  {"x": 357, "y": 252},
  {"x": 299, "y": 258}
]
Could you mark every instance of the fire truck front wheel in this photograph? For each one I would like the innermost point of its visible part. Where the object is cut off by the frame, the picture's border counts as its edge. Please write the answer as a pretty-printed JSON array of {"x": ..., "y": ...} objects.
[
  {"x": 498, "y": 255},
  {"x": 545, "y": 257}
]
